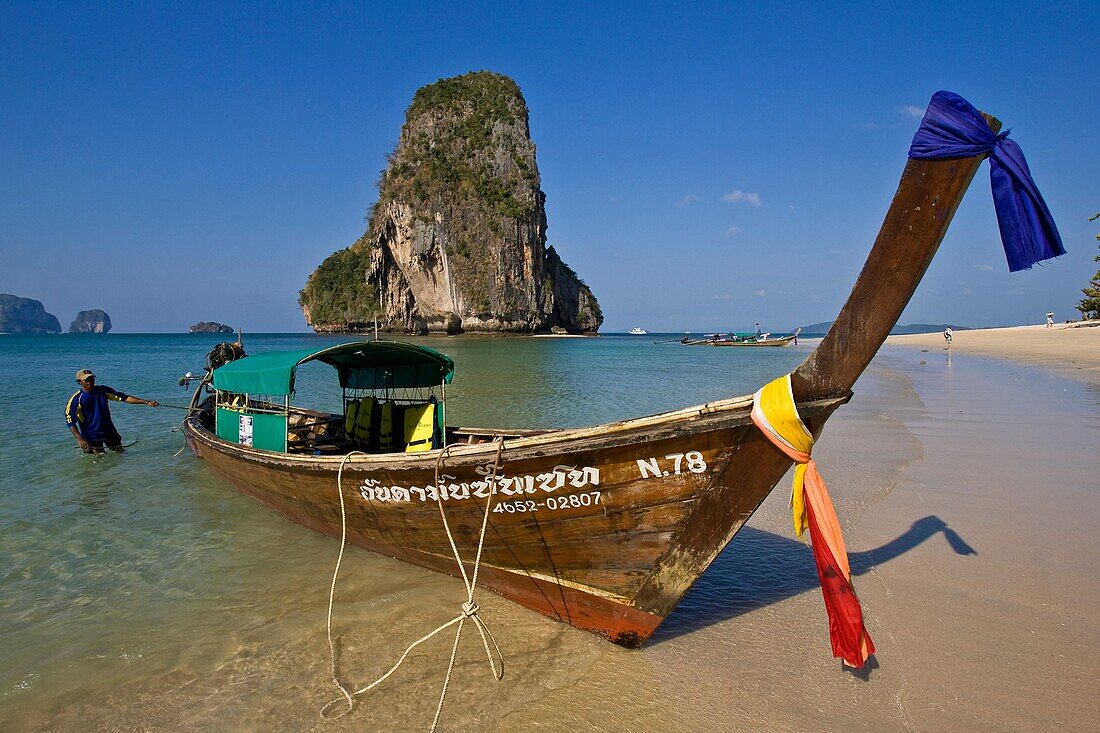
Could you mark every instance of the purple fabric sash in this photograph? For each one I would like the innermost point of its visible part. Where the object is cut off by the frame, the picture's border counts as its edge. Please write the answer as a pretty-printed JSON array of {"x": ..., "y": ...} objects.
[{"x": 953, "y": 128}]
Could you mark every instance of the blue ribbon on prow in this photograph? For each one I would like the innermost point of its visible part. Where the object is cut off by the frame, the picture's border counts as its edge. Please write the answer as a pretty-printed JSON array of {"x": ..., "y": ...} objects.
[{"x": 953, "y": 128}]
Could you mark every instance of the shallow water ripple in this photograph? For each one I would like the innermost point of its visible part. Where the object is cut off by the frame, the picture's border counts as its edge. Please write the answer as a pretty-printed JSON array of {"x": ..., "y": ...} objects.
[{"x": 144, "y": 572}]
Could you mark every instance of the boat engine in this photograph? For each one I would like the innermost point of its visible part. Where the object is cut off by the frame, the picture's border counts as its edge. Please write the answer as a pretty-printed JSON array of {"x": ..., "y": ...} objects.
[
  {"x": 224, "y": 353},
  {"x": 220, "y": 355}
]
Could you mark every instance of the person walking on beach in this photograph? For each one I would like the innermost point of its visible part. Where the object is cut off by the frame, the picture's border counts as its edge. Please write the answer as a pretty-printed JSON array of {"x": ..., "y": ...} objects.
[
  {"x": 89, "y": 417},
  {"x": 1050, "y": 320},
  {"x": 947, "y": 336}
]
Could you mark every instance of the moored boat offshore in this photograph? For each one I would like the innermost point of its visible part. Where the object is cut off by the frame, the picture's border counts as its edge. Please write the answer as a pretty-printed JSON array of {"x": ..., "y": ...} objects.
[{"x": 751, "y": 339}]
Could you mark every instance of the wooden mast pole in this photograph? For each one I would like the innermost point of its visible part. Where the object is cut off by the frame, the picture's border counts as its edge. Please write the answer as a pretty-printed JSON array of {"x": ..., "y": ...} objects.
[{"x": 927, "y": 197}]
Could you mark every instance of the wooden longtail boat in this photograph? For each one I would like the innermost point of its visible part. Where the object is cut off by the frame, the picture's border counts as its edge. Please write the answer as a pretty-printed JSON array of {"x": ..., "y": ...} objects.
[{"x": 604, "y": 528}]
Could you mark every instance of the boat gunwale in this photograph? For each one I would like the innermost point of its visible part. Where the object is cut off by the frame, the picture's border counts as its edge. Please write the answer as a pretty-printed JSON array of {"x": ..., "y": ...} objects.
[{"x": 731, "y": 412}]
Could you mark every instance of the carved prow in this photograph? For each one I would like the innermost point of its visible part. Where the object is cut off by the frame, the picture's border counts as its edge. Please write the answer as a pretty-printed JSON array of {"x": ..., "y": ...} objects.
[{"x": 927, "y": 197}]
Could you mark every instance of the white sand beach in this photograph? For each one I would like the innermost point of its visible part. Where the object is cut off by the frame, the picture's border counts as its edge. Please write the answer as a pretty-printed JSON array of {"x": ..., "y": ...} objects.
[
  {"x": 1072, "y": 350},
  {"x": 966, "y": 489}
]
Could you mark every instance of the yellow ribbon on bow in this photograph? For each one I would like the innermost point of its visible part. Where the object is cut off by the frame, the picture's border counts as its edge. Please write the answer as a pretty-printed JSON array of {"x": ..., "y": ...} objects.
[{"x": 774, "y": 411}]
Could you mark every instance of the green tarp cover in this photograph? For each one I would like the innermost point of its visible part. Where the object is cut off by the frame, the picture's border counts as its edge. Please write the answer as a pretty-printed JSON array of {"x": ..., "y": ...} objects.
[
  {"x": 361, "y": 365},
  {"x": 266, "y": 374}
]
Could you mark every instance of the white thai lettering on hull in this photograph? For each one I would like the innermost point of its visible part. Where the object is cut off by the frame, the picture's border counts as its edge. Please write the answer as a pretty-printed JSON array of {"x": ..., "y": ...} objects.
[
  {"x": 449, "y": 489},
  {"x": 561, "y": 479}
]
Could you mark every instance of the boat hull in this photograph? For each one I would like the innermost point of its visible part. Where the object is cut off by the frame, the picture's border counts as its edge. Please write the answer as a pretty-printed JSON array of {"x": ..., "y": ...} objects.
[
  {"x": 780, "y": 342},
  {"x": 604, "y": 528}
]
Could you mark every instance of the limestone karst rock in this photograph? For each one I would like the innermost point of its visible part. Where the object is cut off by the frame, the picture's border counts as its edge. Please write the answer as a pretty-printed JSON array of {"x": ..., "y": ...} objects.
[
  {"x": 91, "y": 321},
  {"x": 457, "y": 239},
  {"x": 25, "y": 315},
  {"x": 209, "y": 327}
]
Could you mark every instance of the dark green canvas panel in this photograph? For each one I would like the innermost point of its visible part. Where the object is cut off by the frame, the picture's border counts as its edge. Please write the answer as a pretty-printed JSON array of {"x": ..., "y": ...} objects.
[
  {"x": 228, "y": 424},
  {"x": 392, "y": 364},
  {"x": 269, "y": 432},
  {"x": 421, "y": 375}
]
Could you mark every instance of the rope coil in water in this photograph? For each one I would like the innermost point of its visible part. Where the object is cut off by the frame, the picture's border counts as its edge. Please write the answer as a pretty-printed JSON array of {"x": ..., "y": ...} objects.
[{"x": 468, "y": 610}]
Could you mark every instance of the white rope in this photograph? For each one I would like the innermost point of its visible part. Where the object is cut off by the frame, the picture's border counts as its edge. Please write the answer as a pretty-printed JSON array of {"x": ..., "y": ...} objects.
[
  {"x": 179, "y": 427},
  {"x": 469, "y": 609},
  {"x": 190, "y": 409},
  {"x": 336, "y": 572}
]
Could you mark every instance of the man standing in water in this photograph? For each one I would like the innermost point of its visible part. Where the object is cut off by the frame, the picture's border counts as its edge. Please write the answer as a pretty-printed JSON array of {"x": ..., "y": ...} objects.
[{"x": 89, "y": 417}]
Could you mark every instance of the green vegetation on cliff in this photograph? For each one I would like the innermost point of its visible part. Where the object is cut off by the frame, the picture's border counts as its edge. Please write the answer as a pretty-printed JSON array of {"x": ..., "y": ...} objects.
[
  {"x": 439, "y": 160},
  {"x": 485, "y": 97},
  {"x": 338, "y": 292},
  {"x": 589, "y": 311},
  {"x": 1090, "y": 304}
]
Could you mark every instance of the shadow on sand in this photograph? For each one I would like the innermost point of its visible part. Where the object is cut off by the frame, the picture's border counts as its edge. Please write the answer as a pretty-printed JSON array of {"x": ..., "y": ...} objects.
[{"x": 760, "y": 568}]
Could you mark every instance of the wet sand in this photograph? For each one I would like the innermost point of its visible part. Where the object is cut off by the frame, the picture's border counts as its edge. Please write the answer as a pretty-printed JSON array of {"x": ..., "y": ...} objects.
[
  {"x": 1071, "y": 350},
  {"x": 967, "y": 491}
]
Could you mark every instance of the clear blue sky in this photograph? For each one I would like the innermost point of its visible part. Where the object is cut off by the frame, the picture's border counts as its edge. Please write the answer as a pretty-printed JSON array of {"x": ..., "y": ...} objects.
[{"x": 705, "y": 166}]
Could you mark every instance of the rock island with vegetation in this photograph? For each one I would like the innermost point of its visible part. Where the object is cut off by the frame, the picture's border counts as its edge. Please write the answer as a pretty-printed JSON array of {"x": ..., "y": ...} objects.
[
  {"x": 457, "y": 239},
  {"x": 25, "y": 315},
  {"x": 91, "y": 321},
  {"x": 210, "y": 327}
]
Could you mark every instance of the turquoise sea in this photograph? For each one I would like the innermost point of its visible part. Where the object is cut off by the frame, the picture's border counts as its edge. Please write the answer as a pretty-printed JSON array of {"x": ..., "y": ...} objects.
[{"x": 126, "y": 579}]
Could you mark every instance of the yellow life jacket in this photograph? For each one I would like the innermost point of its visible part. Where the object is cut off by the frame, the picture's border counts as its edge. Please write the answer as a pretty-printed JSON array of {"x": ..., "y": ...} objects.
[
  {"x": 419, "y": 427},
  {"x": 363, "y": 420},
  {"x": 385, "y": 428},
  {"x": 349, "y": 418}
]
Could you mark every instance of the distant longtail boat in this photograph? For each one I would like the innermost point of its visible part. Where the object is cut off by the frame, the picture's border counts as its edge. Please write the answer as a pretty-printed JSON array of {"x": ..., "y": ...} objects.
[{"x": 750, "y": 340}]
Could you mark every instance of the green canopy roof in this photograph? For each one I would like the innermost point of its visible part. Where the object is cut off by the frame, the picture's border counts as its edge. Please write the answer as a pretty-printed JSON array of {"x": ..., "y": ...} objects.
[{"x": 360, "y": 364}]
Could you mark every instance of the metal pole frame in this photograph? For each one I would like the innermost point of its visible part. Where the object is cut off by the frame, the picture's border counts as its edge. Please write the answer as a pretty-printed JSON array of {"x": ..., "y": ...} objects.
[{"x": 443, "y": 410}]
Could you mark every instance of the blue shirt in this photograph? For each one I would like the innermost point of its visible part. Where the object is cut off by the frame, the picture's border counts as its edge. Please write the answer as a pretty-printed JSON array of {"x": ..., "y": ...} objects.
[{"x": 90, "y": 413}]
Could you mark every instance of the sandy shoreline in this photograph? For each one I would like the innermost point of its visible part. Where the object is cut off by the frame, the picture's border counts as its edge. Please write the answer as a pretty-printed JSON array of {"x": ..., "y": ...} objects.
[
  {"x": 974, "y": 560},
  {"x": 1071, "y": 351}
]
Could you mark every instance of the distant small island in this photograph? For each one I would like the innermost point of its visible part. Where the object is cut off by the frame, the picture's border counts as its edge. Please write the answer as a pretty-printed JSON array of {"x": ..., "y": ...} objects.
[
  {"x": 91, "y": 321},
  {"x": 210, "y": 327},
  {"x": 820, "y": 329}
]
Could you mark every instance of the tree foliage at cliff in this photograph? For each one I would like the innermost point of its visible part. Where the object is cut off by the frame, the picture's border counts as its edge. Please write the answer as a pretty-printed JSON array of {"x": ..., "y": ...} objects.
[
  {"x": 445, "y": 158},
  {"x": 337, "y": 291},
  {"x": 1090, "y": 304}
]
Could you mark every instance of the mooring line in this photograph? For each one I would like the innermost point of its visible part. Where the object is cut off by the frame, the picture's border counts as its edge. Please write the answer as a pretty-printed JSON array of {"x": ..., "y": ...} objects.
[{"x": 469, "y": 609}]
